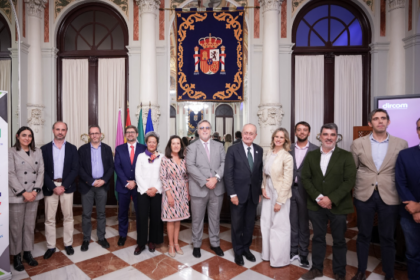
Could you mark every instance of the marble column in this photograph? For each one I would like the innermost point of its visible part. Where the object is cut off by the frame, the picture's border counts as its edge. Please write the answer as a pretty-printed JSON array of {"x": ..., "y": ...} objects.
[
  {"x": 148, "y": 75},
  {"x": 35, "y": 107},
  {"x": 270, "y": 111},
  {"x": 396, "y": 54}
]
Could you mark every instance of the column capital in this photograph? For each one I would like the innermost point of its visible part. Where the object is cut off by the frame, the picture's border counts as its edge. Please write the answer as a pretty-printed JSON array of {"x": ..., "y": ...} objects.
[
  {"x": 396, "y": 4},
  {"x": 36, "y": 7},
  {"x": 270, "y": 5},
  {"x": 148, "y": 6}
]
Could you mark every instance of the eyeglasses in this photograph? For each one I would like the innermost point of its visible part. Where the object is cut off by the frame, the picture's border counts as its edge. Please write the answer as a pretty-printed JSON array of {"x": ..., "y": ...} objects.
[
  {"x": 95, "y": 134},
  {"x": 204, "y": 127},
  {"x": 130, "y": 132}
]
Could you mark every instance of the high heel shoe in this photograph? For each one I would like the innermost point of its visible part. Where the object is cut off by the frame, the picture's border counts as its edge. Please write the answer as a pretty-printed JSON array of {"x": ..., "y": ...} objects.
[
  {"x": 171, "y": 254},
  {"x": 178, "y": 250}
]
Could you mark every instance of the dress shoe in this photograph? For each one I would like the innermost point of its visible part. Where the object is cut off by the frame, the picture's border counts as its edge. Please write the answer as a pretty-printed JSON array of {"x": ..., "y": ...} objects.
[
  {"x": 359, "y": 276},
  {"x": 151, "y": 246},
  {"x": 294, "y": 256},
  {"x": 304, "y": 261},
  {"x": 239, "y": 260},
  {"x": 171, "y": 251},
  {"x": 49, "y": 253},
  {"x": 27, "y": 256},
  {"x": 69, "y": 250},
  {"x": 138, "y": 250},
  {"x": 121, "y": 241},
  {"x": 17, "y": 263},
  {"x": 85, "y": 246},
  {"x": 197, "y": 253},
  {"x": 312, "y": 274},
  {"x": 249, "y": 256},
  {"x": 339, "y": 277},
  {"x": 218, "y": 251},
  {"x": 103, "y": 243},
  {"x": 178, "y": 249}
]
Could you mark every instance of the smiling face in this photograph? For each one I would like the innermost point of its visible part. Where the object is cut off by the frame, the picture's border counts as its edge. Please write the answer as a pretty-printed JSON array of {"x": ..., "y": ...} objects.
[
  {"x": 328, "y": 139},
  {"x": 204, "y": 131},
  {"x": 95, "y": 135},
  {"x": 302, "y": 133},
  {"x": 249, "y": 132},
  {"x": 379, "y": 122},
  {"x": 60, "y": 131},
  {"x": 151, "y": 144},
  {"x": 175, "y": 146},
  {"x": 279, "y": 139},
  {"x": 131, "y": 135},
  {"x": 25, "y": 138}
]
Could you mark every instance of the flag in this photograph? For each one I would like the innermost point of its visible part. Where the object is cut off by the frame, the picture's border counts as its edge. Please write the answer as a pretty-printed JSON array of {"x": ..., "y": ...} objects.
[
  {"x": 119, "y": 139},
  {"x": 127, "y": 122},
  {"x": 140, "y": 138},
  {"x": 149, "y": 124}
]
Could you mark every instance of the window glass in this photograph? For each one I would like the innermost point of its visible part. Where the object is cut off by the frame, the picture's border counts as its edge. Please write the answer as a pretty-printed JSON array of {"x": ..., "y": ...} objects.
[{"x": 316, "y": 14}]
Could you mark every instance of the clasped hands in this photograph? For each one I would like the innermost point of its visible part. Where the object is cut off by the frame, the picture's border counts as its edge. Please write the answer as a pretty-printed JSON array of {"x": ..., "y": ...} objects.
[
  {"x": 325, "y": 202},
  {"x": 414, "y": 209},
  {"x": 29, "y": 196},
  {"x": 98, "y": 183},
  {"x": 211, "y": 183}
]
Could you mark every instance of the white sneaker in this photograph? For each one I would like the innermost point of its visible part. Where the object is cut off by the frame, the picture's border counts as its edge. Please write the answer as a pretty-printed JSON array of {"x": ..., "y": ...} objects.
[{"x": 294, "y": 257}]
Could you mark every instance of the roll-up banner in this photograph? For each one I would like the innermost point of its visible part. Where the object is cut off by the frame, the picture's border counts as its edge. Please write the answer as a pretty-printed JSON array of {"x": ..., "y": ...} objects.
[{"x": 4, "y": 190}]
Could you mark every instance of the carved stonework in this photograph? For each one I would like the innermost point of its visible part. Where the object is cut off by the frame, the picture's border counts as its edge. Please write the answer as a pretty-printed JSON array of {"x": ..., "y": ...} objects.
[
  {"x": 7, "y": 8},
  {"x": 268, "y": 5},
  {"x": 270, "y": 115},
  {"x": 36, "y": 121},
  {"x": 36, "y": 7},
  {"x": 396, "y": 4},
  {"x": 148, "y": 6},
  {"x": 155, "y": 114},
  {"x": 296, "y": 4}
]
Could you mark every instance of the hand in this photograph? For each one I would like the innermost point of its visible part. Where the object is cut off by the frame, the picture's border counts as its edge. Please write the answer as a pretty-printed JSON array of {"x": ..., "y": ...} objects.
[
  {"x": 416, "y": 217},
  {"x": 188, "y": 197},
  {"x": 171, "y": 200},
  {"x": 100, "y": 183},
  {"x": 265, "y": 195},
  {"x": 235, "y": 200},
  {"x": 211, "y": 183},
  {"x": 59, "y": 190},
  {"x": 131, "y": 185},
  {"x": 28, "y": 196},
  {"x": 259, "y": 199},
  {"x": 325, "y": 202},
  {"x": 96, "y": 183},
  {"x": 277, "y": 207},
  {"x": 151, "y": 192},
  {"x": 412, "y": 207}
]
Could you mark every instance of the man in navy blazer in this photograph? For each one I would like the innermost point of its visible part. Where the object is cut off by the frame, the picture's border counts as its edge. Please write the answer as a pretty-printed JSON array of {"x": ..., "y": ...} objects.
[
  {"x": 125, "y": 168},
  {"x": 243, "y": 179},
  {"x": 61, "y": 165},
  {"x": 407, "y": 179}
]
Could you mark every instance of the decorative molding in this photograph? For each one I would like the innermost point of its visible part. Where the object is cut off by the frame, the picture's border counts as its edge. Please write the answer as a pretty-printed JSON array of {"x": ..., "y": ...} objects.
[
  {"x": 49, "y": 52},
  {"x": 36, "y": 7},
  {"x": 59, "y": 5},
  {"x": 411, "y": 41},
  {"x": 24, "y": 48},
  {"x": 35, "y": 117},
  {"x": 370, "y": 4},
  {"x": 133, "y": 50},
  {"x": 7, "y": 9},
  {"x": 396, "y": 4},
  {"x": 155, "y": 115},
  {"x": 123, "y": 5},
  {"x": 270, "y": 5},
  {"x": 270, "y": 114},
  {"x": 148, "y": 6},
  {"x": 296, "y": 4},
  {"x": 379, "y": 47},
  {"x": 286, "y": 48}
]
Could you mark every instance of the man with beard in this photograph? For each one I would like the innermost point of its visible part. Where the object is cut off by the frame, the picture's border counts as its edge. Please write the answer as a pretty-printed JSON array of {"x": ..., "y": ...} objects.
[
  {"x": 299, "y": 219},
  {"x": 61, "y": 163}
]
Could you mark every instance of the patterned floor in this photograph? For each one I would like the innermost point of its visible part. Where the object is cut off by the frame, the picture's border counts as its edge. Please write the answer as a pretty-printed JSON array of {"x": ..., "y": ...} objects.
[{"x": 120, "y": 262}]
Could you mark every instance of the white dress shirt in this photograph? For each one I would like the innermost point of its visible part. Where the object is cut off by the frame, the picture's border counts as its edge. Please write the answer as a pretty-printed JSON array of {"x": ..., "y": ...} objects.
[
  {"x": 325, "y": 160},
  {"x": 148, "y": 174}
]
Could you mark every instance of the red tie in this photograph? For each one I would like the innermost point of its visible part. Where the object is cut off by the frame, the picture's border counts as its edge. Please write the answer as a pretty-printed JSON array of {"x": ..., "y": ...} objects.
[{"x": 132, "y": 154}]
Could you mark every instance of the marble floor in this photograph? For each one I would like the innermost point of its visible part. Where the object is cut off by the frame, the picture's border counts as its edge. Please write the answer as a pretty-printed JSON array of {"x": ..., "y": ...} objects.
[{"x": 120, "y": 262}]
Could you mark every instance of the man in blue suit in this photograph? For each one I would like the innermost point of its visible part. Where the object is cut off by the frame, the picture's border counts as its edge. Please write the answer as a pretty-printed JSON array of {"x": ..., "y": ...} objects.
[
  {"x": 407, "y": 178},
  {"x": 125, "y": 167}
]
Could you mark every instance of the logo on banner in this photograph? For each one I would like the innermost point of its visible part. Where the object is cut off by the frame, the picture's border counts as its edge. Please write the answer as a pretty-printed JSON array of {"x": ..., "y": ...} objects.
[{"x": 211, "y": 58}]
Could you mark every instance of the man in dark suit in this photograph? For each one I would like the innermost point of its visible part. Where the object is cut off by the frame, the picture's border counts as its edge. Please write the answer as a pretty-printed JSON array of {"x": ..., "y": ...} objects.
[
  {"x": 238, "y": 137},
  {"x": 96, "y": 170},
  {"x": 243, "y": 178},
  {"x": 407, "y": 179},
  {"x": 299, "y": 219},
  {"x": 328, "y": 176},
  {"x": 61, "y": 163},
  {"x": 216, "y": 137},
  {"x": 125, "y": 168}
]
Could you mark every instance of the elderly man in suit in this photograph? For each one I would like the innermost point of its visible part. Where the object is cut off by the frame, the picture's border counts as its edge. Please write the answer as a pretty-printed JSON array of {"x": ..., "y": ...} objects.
[
  {"x": 375, "y": 156},
  {"x": 328, "y": 175},
  {"x": 61, "y": 163},
  {"x": 96, "y": 170},
  {"x": 243, "y": 179},
  {"x": 299, "y": 219},
  {"x": 205, "y": 161}
]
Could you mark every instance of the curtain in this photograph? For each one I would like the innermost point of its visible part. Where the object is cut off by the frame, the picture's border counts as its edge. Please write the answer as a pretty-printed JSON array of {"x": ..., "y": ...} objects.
[
  {"x": 5, "y": 77},
  {"x": 309, "y": 92},
  {"x": 75, "y": 98},
  {"x": 229, "y": 126},
  {"x": 219, "y": 126},
  {"x": 348, "y": 101},
  {"x": 172, "y": 123},
  {"x": 111, "y": 93}
]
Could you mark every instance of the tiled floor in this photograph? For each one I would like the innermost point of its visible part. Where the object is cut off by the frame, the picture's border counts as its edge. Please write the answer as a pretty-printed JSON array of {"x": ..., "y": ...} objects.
[{"x": 119, "y": 263}]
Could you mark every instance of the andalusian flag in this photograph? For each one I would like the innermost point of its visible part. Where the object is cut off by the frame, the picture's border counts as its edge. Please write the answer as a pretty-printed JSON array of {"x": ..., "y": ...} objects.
[
  {"x": 140, "y": 138},
  {"x": 119, "y": 140}
]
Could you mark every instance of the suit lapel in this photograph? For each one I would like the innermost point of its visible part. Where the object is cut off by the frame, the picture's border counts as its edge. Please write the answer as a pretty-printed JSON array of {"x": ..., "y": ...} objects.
[
  {"x": 417, "y": 157},
  {"x": 103, "y": 155},
  {"x": 367, "y": 147},
  {"x": 257, "y": 157},
  {"x": 202, "y": 150},
  {"x": 89, "y": 158},
  {"x": 241, "y": 152},
  {"x": 293, "y": 153},
  {"x": 334, "y": 157},
  {"x": 126, "y": 153},
  {"x": 28, "y": 159},
  {"x": 389, "y": 152},
  {"x": 66, "y": 156}
]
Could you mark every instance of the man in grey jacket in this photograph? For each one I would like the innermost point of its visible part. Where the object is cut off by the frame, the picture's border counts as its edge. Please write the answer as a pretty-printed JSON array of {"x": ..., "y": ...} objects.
[{"x": 205, "y": 161}]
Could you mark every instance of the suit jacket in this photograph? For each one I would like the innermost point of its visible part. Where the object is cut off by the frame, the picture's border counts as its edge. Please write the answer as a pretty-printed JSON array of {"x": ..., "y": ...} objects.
[
  {"x": 26, "y": 173},
  {"x": 239, "y": 179},
  {"x": 237, "y": 141},
  {"x": 200, "y": 169},
  {"x": 368, "y": 175},
  {"x": 297, "y": 171},
  {"x": 70, "y": 169},
  {"x": 337, "y": 183},
  {"x": 407, "y": 176},
  {"x": 123, "y": 167},
  {"x": 85, "y": 167}
]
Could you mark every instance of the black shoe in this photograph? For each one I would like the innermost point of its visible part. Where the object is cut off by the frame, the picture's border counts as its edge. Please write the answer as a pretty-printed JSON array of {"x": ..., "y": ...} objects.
[
  {"x": 27, "y": 256},
  {"x": 17, "y": 263},
  {"x": 304, "y": 261},
  {"x": 239, "y": 260},
  {"x": 197, "y": 253},
  {"x": 359, "y": 276},
  {"x": 104, "y": 243},
  {"x": 85, "y": 246},
  {"x": 121, "y": 241},
  {"x": 218, "y": 251},
  {"x": 249, "y": 256},
  {"x": 47, "y": 254},
  {"x": 69, "y": 250},
  {"x": 339, "y": 277},
  {"x": 139, "y": 250},
  {"x": 152, "y": 247}
]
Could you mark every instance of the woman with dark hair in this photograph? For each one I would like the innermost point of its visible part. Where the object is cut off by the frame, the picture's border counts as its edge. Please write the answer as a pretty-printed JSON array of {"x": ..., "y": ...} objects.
[
  {"x": 149, "y": 200},
  {"x": 185, "y": 141},
  {"x": 173, "y": 174},
  {"x": 26, "y": 178}
]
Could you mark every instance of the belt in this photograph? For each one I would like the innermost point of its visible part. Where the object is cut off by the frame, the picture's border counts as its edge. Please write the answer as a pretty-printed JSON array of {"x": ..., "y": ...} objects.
[{"x": 59, "y": 180}]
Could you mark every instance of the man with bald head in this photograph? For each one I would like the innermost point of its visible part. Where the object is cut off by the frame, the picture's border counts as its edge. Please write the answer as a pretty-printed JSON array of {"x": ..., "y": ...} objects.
[{"x": 243, "y": 178}]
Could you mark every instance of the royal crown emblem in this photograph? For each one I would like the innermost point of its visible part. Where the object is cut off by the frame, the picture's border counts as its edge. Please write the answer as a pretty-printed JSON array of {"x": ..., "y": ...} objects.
[{"x": 210, "y": 57}]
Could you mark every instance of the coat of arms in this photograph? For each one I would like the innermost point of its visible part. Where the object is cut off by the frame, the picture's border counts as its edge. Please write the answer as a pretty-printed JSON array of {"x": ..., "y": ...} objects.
[{"x": 210, "y": 57}]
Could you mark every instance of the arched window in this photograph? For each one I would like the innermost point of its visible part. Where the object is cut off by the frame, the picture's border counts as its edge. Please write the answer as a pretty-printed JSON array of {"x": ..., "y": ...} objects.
[{"x": 224, "y": 120}]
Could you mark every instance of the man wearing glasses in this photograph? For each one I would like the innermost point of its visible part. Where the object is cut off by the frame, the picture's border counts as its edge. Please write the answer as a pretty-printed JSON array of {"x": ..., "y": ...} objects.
[
  {"x": 125, "y": 166},
  {"x": 96, "y": 170},
  {"x": 205, "y": 161}
]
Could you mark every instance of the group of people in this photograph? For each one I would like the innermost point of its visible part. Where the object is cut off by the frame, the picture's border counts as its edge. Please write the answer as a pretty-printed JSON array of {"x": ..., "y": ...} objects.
[{"x": 296, "y": 183}]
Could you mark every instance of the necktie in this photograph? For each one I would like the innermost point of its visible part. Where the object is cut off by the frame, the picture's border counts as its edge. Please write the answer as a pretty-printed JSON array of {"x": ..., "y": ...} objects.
[
  {"x": 132, "y": 154},
  {"x": 207, "y": 151},
  {"x": 250, "y": 160}
]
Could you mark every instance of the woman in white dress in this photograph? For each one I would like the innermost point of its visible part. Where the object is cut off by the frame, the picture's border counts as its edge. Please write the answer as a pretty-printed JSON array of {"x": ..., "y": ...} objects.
[{"x": 276, "y": 189}]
